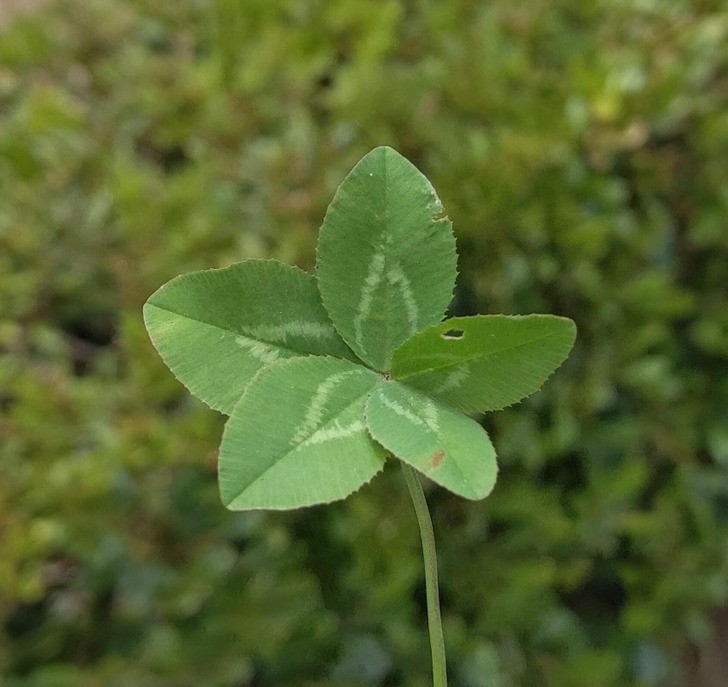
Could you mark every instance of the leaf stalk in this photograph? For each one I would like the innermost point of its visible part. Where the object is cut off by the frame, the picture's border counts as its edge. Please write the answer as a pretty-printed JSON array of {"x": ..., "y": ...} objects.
[{"x": 429, "y": 553}]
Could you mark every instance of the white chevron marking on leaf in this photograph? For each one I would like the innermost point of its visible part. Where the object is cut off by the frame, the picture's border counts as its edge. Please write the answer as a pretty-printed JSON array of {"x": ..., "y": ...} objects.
[
  {"x": 259, "y": 350},
  {"x": 335, "y": 431},
  {"x": 315, "y": 410},
  {"x": 279, "y": 333},
  {"x": 371, "y": 281},
  {"x": 403, "y": 412},
  {"x": 430, "y": 416},
  {"x": 454, "y": 379},
  {"x": 397, "y": 277}
]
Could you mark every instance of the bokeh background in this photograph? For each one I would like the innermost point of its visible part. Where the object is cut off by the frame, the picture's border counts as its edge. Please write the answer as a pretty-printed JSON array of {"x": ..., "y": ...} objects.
[{"x": 580, "y": 149}]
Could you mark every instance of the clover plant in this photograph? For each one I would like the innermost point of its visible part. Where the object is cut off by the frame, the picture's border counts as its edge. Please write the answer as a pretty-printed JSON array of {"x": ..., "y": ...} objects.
[{"x": 325, "y": 377}]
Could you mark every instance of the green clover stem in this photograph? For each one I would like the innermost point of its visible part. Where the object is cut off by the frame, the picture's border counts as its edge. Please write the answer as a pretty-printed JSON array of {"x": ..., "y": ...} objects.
[{"x": 427, "y": 534}]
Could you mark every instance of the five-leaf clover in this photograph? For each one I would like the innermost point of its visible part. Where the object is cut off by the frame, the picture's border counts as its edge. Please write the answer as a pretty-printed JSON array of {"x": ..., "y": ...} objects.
[{"x": 323, "y": 376}]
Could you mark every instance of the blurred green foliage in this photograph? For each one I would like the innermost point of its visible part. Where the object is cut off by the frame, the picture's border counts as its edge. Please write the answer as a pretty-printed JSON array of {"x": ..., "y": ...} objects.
[{"x": 579, "y": 148}]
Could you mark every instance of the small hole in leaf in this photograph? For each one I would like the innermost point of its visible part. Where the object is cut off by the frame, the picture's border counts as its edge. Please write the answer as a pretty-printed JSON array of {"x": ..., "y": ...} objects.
[{"x": 453, "y": 334}]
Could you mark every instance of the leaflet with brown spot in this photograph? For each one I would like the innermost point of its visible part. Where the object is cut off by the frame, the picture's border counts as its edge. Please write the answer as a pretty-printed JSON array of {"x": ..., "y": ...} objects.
[{"x": 437, "y": 458}]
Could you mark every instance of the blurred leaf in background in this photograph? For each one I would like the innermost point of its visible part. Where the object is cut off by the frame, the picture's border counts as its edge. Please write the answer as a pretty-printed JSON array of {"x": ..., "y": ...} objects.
[{"x": 579, "y": 149}]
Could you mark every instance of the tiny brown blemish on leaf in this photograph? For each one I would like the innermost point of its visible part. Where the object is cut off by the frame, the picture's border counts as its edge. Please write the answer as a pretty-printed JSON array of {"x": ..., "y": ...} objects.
[
  {"x": 437, "y": 457},
  {"x": 440, "y": 215}
]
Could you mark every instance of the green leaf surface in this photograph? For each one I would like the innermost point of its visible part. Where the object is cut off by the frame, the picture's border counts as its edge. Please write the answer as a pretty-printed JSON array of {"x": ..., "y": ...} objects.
[
  {"x": 486, "y": 362},
  {"x": 450, "y": 448},
  {"x": 216, "y": 328},
  {"x": 386, "y": 259},
  {"x": 297, "y": 437}
]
